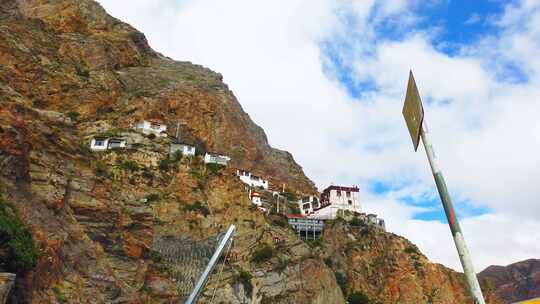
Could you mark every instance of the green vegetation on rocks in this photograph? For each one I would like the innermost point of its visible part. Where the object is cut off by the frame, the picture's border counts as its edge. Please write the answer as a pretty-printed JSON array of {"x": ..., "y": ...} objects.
[
  {"x": 214, "y": 169},
  {"x": 342, "y": 281},
  {"x": 262, "y": 254},
  {"x": 197, "y": 207},
  {"x": 18, "y": 252},
  {"x": 243, "y": 277},
  {"x": 74, "y": 115},
  {"x": 359, "y": 298},
  {"x": 130, "y": 165}
]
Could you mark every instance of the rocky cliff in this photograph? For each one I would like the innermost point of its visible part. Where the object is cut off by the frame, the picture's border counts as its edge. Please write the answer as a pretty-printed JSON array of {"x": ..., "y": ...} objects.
[
  {"x": 515, "y": 282},
  {"x": 71, "y": 57},
  {"x": 135, "y": 225}
]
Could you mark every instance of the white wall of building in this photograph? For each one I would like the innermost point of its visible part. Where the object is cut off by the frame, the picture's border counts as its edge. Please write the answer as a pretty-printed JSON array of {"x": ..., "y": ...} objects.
[
  {"x": 99, "y": 144},
  {"x": 345, "y": 200},
  {"x": 147, "y": 127},
  {"x": 210, "y": 158},
  {"x": 186, "y": 150},
  {"x": 103, "y": 144},
  {"x": 116, "y": 143},
  {"x": 333, "y": 200},
  {"x": 307, "y": 204},
  {"x": 252, "y": 180}
]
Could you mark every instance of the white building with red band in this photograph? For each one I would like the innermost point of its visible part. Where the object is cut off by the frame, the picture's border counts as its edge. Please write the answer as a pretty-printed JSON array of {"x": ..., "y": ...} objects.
[{"x": 332, "y": 200}]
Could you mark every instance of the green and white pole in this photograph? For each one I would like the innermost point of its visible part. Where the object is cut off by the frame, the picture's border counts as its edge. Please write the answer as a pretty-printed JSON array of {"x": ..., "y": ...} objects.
[{"x": 464, "y": 256}]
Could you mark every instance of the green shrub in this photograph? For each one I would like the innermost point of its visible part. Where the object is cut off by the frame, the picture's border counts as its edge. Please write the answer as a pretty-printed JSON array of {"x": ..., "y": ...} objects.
[
  {"x": 101, "y": 169},
  {"x": 244, "y": 278},
  {"x": 147, "y": 174},
  {"x": 18, "y": 252},
  {"x": 280, "y": 221},
  {"x": 214, "y": 169},
  {"x": 82, "y": 71},
  {"x": 412, "y": 250},
  {"x": 164, "y": 164},
  {"x": 315, "y": 243},
  {"x": 295, "y": 209},
  {"x": 167, "y": 163},
  {"x": 152, "y": 198},
  {"x": 342, "y": 281},
  {"x": 60, "y": 296},
  {"x": 177, "y": 156},
  {"x": 355, "y": 222},
  {"x": 328, "y": 261},
  {"x": 151, "y": 136},
  {"x": 115, "y": 132},
  {"x": 358, "y": 297},
  {"x": 282, "y": 265},
  {"x": 197, "y": 207},
  {"x": 130, "y": 165},
  {"x": 74, "y": 116},
  {"x": 262, "y": 254},
  {"x": 364, "y": 231}
]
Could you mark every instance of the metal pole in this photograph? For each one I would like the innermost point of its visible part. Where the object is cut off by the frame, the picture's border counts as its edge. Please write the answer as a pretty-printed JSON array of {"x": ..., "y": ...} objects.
[
  {"x": 463, "y": 252},
  {"x": 210, "y": 267}
]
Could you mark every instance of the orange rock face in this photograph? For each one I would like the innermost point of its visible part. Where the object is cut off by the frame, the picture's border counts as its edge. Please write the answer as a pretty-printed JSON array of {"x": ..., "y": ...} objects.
[{"x": 390, "y": 269}]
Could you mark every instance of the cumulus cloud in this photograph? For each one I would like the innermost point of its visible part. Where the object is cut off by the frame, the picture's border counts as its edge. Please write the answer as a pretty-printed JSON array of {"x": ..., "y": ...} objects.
[{"x": 279, "y": 59}]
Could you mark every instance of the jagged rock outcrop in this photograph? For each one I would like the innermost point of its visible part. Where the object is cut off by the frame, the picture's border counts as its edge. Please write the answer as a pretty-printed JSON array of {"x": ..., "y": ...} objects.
[
  {"x": 515, "y": 282},
  {"x": 389, "y": 269}
]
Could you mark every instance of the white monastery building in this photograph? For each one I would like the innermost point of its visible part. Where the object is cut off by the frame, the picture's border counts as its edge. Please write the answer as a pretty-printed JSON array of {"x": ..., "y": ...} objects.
[
  {"x": 309, "y": 204},
  {"x": 333, "y": 199},
  {"x": 252, "y": 180},
  {"x": 214, "y": 158},
  {"x": 185, "y": 149},
  {"x": 105, "y": 143},
  {"x": 152, "y": 127}
]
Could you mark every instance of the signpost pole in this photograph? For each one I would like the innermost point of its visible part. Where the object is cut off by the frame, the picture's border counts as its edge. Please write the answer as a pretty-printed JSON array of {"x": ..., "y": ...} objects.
[
  {"x": 413, "y": 112},
  {"x": 463, "y": 252}
]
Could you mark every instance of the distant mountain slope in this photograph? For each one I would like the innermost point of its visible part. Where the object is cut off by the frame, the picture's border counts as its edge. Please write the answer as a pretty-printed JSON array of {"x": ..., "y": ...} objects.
[{"x": 515, "y": 282}]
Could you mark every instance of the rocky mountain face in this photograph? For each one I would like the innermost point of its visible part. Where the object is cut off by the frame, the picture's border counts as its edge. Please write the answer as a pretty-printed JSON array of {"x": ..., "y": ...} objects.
[
  {"x": 515, "y": 282},
  {"x": 122, "y": 226},
  {"x": 70, "y": 56},
  {"x": 388, "y": 268}
]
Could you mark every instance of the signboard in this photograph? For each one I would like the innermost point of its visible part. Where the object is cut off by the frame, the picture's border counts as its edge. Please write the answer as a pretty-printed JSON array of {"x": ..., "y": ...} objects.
[{"x": 413, "y": 111}]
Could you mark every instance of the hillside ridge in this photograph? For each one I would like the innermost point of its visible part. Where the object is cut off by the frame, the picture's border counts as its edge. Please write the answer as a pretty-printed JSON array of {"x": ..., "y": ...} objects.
[{"x": 515, "y": 282}]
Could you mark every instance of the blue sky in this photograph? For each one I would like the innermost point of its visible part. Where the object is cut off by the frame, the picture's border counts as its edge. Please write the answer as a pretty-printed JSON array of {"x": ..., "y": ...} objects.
[{"x": 452, "y": 25}]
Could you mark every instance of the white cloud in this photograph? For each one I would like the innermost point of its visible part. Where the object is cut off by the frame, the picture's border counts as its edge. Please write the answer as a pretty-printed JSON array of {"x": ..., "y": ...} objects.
[
  {"x": 473, "y": 19},
  {"x": 486, "y": 130}
]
